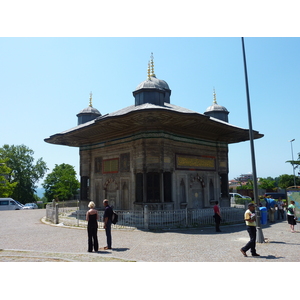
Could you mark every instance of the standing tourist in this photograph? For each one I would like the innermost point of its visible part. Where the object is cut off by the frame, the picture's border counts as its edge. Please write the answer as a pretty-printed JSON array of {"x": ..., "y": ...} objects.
[
  {"x": 92, "y": 228},
  {"x": 107, "y": 218},
  {"x": 280, "y": 211},
  {"x": 250, "y": 220},
  {"x": 270, "y": 205},
  {"x": 217, "y": 216},
  {"x": 291, "y": 215}
]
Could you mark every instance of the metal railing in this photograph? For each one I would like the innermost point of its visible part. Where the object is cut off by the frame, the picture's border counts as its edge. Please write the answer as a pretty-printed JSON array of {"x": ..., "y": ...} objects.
[{"x": 147, "y": 219}]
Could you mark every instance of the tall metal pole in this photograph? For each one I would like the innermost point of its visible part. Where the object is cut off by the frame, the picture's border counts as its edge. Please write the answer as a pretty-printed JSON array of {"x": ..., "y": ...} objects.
[
  {"x": 293, "y": 161},
  {"x": 260, "y": 236}
]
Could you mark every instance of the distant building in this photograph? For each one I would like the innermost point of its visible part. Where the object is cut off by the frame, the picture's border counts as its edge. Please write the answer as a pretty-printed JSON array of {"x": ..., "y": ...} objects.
[
  {"x": 244, "y": 177},
  {"x": 153, "y": 152},
  {"x": 233, "y": 182}
]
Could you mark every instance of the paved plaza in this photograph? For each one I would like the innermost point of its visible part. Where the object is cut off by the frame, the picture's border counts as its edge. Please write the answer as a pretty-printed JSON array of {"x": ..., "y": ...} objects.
[{"x": 24, "y": 237}]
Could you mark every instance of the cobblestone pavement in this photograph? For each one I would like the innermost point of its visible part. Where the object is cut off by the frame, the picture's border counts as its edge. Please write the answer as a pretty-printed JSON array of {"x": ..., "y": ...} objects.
[{"x": 23, "y": 237}]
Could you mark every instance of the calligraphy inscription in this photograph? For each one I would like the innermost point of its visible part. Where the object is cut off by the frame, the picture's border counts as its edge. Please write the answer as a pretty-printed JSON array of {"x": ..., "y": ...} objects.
[
  {"x": 111, "y": 166},
  {"x": 195, "y": 162}
]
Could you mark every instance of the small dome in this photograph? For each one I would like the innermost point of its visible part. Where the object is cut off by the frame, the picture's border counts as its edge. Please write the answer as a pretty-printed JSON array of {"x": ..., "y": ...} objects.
[
  {"x": 88, "y": 114},
  {"x": 216, "y": 107},
  {"x": 217, "y": 111},
  {"x": 153, "y": 83},
  {"x": 90, "y": 110}
]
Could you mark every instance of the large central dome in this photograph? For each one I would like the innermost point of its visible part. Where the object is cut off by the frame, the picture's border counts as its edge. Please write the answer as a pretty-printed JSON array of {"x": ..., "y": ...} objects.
[
  {"x": 152, "y": 90},
  {"x": 153, "y": 83}
]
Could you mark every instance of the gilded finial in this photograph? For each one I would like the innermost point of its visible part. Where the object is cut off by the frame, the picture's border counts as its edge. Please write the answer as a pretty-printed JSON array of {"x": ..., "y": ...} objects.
[
  {"x": 91, "y": 95},
  {"x": 149, "y": 76},
  {"x": 215, "y": 97},
  {"x": 152, "y": 65}
]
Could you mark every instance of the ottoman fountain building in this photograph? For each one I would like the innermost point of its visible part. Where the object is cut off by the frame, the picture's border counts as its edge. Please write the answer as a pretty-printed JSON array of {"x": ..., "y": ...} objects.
[{"x": 153, "y": 152}]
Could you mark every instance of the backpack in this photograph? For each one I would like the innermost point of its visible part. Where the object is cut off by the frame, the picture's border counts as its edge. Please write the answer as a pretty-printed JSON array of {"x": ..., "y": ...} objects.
[
  {"x": 114, "y": 218},
  {"x": 291, "y": 210}
]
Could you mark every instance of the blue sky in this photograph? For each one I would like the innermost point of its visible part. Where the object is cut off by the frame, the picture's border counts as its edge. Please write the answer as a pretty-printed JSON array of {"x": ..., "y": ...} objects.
[{"x": 46, "y": 81}]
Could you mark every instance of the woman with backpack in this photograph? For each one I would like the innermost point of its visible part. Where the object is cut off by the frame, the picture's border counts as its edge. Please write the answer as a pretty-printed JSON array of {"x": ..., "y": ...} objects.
[{"x": 291, "y": 216}]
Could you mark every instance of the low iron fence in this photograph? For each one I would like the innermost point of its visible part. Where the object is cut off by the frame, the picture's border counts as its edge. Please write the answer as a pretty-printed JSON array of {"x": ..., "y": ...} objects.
[{"x": 146, "y": 219}]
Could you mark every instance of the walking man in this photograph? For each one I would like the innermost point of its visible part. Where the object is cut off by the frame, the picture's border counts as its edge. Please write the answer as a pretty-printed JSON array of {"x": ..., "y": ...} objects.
[
  {"x": 250, "y": 220},
  {"x": 107, "y": 223}
]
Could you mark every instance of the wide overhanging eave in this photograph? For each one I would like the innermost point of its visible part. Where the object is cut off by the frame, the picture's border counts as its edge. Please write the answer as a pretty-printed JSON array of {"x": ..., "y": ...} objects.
[{"x": 194, "y": 125}]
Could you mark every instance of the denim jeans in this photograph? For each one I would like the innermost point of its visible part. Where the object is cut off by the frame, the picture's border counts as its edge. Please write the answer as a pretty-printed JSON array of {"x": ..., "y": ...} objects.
[
  {"x": 108, "y": 233},
  {"x": 251, "y": 244}
]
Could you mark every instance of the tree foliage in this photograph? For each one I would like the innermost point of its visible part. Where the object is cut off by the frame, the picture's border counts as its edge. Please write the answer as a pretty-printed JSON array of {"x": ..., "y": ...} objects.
[
  {"x": 61, "y": 183},
  {"x": 266, "y": 183},
  {"x": 23, "y": 171},
  {"x": 285, "y": 180},
  {"x": 247, "y": 186},
  {"x": 6, "y": 188}
]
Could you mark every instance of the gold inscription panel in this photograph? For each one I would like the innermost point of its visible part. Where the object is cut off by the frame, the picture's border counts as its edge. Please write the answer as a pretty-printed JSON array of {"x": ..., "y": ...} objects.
[
  {"x": 111, "y": 165},
  {"x": 195, "y": 162}
]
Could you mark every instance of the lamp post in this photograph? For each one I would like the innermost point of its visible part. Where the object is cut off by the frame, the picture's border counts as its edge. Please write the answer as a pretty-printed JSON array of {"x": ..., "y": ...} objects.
[
  {"x": 291, "y": 141},
  {"x": 260, "y": 236}
]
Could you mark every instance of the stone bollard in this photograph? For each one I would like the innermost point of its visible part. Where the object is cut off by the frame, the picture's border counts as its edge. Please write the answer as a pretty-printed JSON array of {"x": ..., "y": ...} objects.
[{"x": 56, "y": 214}]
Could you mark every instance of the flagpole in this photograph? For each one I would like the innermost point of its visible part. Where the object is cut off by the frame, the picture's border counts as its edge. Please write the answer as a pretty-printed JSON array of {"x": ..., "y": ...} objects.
[{"x": 260, "y": 236}]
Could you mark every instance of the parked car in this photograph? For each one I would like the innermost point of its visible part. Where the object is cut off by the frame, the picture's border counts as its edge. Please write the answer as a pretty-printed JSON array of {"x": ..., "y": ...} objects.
[
  {"x": 20, "y": 204},
  {"x": 237, "y": 195},
  {"x": 9, "y": 204},
  {"x": 275, "y": 195},
  {"x": 236, "y": 198},
  {"x": 30, "y": 206}
]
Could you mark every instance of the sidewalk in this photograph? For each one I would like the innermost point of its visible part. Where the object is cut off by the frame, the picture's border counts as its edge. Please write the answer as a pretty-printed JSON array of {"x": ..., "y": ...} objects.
[
  {"x": 205, "y": 245},
  {"x": 186, "y": 245}
]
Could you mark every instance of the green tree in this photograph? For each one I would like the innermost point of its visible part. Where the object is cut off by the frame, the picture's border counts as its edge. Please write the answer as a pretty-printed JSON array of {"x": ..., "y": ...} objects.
[
  {"x": 6, "y": 188},
  {"x": 24, "y": 171},
  {"x": 61, "y": 183},
  {"x": 285, "y": 180},
  {"x": 267, "y": 183}
]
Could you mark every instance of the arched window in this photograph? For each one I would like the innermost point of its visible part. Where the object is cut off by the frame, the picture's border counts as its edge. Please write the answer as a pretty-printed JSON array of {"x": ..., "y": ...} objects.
[
  {"x": 153, "y": 187},
  {"x": 211, "y": 190},
  {"x": 125, "y": 197},
  {"x": 224, "y": 185},
  {"x": 139, "y": 183},
  {"x": 167, "y": 187},
  {"x": 84, "y": 187},
  {"x": 182, "y": 192}
]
